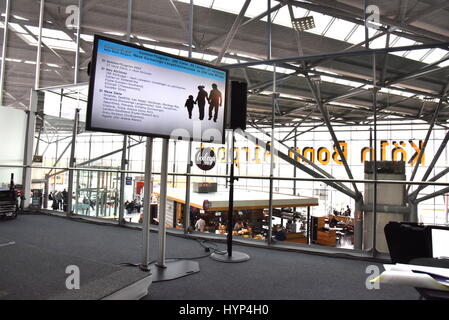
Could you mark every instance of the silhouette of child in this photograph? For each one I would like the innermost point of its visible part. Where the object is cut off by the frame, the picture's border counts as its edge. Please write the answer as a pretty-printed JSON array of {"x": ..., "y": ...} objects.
[{"x": 189, "y": 105}]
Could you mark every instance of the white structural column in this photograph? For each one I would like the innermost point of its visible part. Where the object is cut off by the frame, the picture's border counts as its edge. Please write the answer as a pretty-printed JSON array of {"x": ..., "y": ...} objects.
[
  {"x": 5, "y": 41},
  {"x": 28, "y": 147},
  {"x": 39, "y": 46},
  {"x": 78, "y": 39}
]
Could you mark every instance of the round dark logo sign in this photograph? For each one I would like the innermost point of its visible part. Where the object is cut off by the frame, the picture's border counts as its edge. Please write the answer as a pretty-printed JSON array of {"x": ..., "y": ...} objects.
[{"x": 205, "y": 159}]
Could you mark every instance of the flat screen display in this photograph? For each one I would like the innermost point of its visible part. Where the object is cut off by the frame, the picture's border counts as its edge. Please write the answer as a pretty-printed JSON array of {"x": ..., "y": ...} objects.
[
  {"x": 440, "y": 241},
  {"x": 135, "y": 90}
]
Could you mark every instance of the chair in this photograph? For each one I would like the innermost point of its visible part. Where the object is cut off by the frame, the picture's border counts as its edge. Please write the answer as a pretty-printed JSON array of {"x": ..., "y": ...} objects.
[
  {"x": 410, "y": 243},
  {"x": 406, "y": 241}
]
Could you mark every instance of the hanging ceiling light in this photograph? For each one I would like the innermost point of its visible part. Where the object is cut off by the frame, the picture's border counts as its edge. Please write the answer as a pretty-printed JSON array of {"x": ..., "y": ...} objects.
[{"x": 303, "y": 24}]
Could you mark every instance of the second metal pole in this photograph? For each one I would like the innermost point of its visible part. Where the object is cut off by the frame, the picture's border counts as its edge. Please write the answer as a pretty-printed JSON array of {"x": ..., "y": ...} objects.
[
  {"x": 231, "y": 199},
  {"x": 146, "y": 206},
  {"x": 163, "y": 204},
  {"x": 72, "y": 163}
]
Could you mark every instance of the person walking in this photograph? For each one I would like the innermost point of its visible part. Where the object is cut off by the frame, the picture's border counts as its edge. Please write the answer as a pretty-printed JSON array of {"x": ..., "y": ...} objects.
[
  {"x": 215, "y": 101},
  {"x": 201, "y": 100}
]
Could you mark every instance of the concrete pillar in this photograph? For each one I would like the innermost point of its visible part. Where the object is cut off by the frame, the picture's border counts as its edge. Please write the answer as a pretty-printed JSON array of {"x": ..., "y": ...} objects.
[{"x": 390, "y": 200}]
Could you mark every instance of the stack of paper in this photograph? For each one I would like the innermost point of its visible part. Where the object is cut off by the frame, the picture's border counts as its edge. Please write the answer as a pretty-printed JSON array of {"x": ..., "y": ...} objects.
[{"x": 416, "y": 276}]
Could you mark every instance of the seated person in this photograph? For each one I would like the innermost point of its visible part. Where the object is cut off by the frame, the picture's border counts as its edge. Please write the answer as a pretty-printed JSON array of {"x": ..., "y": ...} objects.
[
  {"x": 333, "y": 222},
  {"x": 280, "y": 233},
  {"x": 238, "y": 226}
]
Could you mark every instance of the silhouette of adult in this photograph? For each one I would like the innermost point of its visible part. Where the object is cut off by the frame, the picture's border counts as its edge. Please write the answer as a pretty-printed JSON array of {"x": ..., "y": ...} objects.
[
  {"x": 201, "y": 100},
  {"x": 215, "y": 101}
]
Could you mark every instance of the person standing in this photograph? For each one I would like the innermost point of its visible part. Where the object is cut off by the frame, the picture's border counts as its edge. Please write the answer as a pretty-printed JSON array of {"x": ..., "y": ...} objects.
[
  {"x": 215, "y": 101},
  {"x": 55, "y": 204},
  {"x": 65, "y": 198},
  {"x": 201, "y": 100},
  {"x": 200, "y": 225},
  {"x": 58, "y": 197}
]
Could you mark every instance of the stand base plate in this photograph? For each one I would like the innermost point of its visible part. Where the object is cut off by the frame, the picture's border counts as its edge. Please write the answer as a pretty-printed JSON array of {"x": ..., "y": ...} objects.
[
  {"x": 174, "y": 270},
  {"x": 235, "y": 258}
]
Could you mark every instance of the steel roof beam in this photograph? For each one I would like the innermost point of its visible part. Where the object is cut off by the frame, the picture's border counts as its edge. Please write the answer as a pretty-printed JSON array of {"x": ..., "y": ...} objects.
[{"x": 231, "y": 34}]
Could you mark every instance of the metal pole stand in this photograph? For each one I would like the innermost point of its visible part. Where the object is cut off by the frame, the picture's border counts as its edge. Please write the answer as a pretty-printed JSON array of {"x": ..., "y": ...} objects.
[
  {"x": 164, "y": 270},
  {"x": 146, "y": 206},
  {"x": 231, "y": 256}
]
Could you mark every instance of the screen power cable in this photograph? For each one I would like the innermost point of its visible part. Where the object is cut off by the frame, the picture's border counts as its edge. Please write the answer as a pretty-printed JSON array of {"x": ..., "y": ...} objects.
[{"x": 209, "y": 248}]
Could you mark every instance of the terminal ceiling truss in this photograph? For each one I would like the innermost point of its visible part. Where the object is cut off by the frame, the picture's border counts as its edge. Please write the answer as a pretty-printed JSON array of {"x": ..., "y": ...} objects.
[{"x": 412, "y": 82}]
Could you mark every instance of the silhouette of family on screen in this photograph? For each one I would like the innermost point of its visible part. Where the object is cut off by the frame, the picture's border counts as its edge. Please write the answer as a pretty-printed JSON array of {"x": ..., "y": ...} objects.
[{"x": 214, "y": 99}]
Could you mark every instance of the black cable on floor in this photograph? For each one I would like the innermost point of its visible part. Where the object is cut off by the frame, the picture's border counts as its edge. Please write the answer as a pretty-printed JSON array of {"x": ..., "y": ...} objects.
[{"x": 212, "y": 248}]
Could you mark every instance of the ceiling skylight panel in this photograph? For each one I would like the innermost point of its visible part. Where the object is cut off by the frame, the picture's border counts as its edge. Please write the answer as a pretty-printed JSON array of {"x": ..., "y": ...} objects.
[
  {"x": 87, "y": 37},
  {"x": 49, "y": 33},
  {"x": 436, "y": 55},
  {"x": 17, "y": 28},
  {"x": 321, "y": 21},
  {"x": 197, "y": 55},
  {"x": 259, "y": 66},
  {"x": 23, "y": 34},
  {"x": 444, "y": 64},
  {"x": 209, "y": 57},
  {"x": 60, "y": 44},
  {"x": 340, "y": 29},
  {"x": 417, "y": 54},
  {"x": 168, "y": 50},
  {"x": 20, "y": 18},
  {"x": 149, "y": 46},
  {"x": 395, "y": 92},
  {"x": 147, "y": 39},
  {"x": 257, "y": 7},
  {"x": 229, "y": 61},
  {"x": 201, "y": 3},
  {"x": 378, "y": 43},
  {"x": 183, "y": 53},
  {"x": 301, "y": 12},
  {"x": 13, "y": 60},
  {"x": 402, "y": 42},
  {"x": 283, "y": 17},
  {"x": 233, "y": 6},
  {"x": 359, "y": 35},
  {"x": 113, "y": 33}
]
